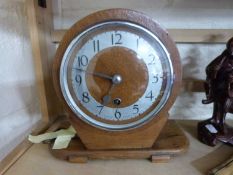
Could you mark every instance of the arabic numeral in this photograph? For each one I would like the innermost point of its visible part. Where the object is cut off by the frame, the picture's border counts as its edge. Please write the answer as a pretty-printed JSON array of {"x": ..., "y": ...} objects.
[
  {"x": 137, "y": 43},
  {"x": 117, "y": 114},
  {"x": 82, "y": 60},
  {"x": 100, "y": 108},
  {"x": 155, "y": 78},
  {"x": 96, "y": 45},
  {"x": 116, "y": 38},
  {"x": 136, "y": 109},
  {"x": 78, "y": 79},
  {"x": 85, "y": 97},
  {"x": 152, "y": 58},
  {"x": 150, "y": 95}
]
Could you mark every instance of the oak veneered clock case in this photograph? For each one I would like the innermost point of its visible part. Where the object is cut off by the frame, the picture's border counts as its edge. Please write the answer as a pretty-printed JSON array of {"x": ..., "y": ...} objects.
[{"x": 118, "y": 73}]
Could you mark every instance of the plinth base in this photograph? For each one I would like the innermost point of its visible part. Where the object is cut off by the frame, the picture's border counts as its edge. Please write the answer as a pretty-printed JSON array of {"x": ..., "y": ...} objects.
[{"x": 171, "y": 142}]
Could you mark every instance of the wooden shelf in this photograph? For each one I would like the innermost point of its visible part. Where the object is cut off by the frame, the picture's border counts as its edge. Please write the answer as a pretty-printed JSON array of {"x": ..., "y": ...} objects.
[
  {"x": 198, "y": 160},
  {"x": 212, "y": 36}
]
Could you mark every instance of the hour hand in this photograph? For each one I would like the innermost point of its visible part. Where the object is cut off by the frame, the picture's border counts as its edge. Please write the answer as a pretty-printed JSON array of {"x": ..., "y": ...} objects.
[{"x": 116, "y": 79}]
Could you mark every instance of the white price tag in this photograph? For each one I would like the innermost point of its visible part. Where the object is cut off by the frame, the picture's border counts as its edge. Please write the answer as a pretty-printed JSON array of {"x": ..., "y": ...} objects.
[{"x": 211, "y": 128}]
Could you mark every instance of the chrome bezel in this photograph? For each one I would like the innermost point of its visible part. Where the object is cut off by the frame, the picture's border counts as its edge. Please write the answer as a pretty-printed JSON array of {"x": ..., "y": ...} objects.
[{"x": 80, "y": 114}]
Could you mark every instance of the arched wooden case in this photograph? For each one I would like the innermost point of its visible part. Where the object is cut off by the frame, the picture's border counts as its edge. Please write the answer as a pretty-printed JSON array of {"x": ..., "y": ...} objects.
[{"x": 145, "y": 135}]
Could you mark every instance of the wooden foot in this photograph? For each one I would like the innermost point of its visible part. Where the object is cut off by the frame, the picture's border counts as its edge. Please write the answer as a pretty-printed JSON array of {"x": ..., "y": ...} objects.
[
  {"x": 77, "y": 159},
  {"x": 160, "y": 158}
]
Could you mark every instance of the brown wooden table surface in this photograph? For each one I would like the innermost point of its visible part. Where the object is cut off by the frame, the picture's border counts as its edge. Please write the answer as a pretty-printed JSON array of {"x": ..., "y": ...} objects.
[{"x": 198, "y": 160}]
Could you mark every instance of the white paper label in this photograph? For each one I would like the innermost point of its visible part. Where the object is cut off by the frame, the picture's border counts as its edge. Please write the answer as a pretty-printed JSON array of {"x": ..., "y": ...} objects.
[
  {"x": 62, "y": 137},
  {"x": 211, "y": 128}
]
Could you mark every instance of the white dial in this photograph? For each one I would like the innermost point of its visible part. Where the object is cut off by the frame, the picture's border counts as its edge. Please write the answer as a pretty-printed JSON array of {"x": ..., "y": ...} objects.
[
  {"x": 143, "y": 50},
  {"x": 86, "y": 72}
]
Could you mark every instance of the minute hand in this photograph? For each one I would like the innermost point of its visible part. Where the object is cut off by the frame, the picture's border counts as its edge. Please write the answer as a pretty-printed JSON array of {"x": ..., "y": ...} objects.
[{"x": 95, "y": 74}]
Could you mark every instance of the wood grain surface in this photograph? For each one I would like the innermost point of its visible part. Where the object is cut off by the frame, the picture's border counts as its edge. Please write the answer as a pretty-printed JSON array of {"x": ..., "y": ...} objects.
[
  {"x": 211, "y": 36},
  {"x": 171, "y": 142},
  {"x": 141, "y": 137},
  {"x": 40, "y": 26}
]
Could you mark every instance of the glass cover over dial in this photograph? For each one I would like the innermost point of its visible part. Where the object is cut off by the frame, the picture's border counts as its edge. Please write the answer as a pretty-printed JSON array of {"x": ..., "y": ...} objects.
[{"x": 116, "y": 75}]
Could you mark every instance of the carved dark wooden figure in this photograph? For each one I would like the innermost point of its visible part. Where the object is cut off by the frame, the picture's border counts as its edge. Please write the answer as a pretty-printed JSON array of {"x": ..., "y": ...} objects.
[{"x": 219, "y": 91}]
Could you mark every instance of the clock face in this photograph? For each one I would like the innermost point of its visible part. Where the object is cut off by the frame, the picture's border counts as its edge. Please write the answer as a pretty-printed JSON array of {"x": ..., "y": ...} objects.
[{"x": 116, "y": 75}]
